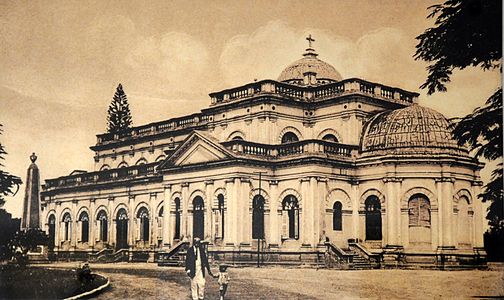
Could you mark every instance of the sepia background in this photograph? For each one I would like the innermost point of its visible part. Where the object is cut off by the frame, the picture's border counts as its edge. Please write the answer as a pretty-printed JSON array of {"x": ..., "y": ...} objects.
[{"x": 61, "y": 61}]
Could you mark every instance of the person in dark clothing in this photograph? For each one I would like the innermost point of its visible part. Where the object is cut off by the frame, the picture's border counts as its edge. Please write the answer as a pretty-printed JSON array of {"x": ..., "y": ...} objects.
[{"x": 195, "y": 265}]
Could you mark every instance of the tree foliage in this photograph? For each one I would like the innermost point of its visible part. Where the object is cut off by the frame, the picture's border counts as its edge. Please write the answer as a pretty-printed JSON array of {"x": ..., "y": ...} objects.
[
  {"x": 119, "y": 115},
  {"x": 9, "y": 184},
  {"x": 27, "y": 240},
  {"x": 466, "y": 33}
]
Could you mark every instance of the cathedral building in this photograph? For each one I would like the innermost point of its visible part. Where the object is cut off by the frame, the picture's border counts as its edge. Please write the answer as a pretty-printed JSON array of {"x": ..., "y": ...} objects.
[{"x": 292, "y": 164}]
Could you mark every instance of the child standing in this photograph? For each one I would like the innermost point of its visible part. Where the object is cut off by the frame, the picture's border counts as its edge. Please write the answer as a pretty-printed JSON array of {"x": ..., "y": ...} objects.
[{"x": 223, "y": 280}]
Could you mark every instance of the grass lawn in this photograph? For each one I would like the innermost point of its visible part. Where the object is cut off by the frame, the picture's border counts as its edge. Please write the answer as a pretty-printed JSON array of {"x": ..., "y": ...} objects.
[
  {"x": 148, "y": 281},
  {"x": 42, "y": 283}
]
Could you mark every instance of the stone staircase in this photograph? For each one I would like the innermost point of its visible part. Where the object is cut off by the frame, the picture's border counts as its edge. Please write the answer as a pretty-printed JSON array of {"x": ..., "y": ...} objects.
[
  {"x": 360, "y": 263},
  {"x": 174, "y": 257}
]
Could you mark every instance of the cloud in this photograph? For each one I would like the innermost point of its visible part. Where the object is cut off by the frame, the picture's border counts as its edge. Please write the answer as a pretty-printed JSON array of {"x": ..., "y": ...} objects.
[{"x": 172, "y": 64}]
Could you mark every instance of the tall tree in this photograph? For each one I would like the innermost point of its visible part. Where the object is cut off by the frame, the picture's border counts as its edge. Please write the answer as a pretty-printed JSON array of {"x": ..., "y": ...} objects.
[
  {"x": 8, "y": 182},
  {"x": 469, "y": 33},
  {"x": 119, "y": 115}
]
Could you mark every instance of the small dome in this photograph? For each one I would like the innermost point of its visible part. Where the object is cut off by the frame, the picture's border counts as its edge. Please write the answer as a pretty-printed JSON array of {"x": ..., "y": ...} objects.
[
  {"x": 413, "y": 129},
  {"x": 294, "y": 73}
]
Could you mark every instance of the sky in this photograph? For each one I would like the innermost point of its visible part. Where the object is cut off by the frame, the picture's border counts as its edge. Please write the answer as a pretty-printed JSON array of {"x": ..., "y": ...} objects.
[{"x": 61, "y": 62}]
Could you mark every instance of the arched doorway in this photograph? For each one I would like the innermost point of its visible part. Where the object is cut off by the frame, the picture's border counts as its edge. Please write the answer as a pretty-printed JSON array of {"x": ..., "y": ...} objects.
[
  {"x": 84, "y": 227},
  {"x": 373, "y": 219},
  {"x": 198, "y": 217},
  {"x": 122, "y": 229},
  {"x": 52, "y": 231},
  {"x": 176, "y": 234},
  {"x": 143, "y": 223},
  {"x": 67, "y": 226},
  {"x": 337, "y": 216},
  {"x": 219, "y": 217},
  {"x": 103, "y": 225},
  {"x": 290, "y": 217},
  {"x": 258, "y": 217}
]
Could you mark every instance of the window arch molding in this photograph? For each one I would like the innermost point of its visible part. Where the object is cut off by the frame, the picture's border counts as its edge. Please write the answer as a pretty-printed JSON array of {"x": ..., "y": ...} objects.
[
  {"x": 285, "y": 193},
  {"x": 264, "y": 194},
  {"x": 142, "y": 205},
  {"x": 290, "y": 129},
  {"x": 122, "y": 164},
  {"x": 419, "y": 190},
  {"x": 372, "y": 192},
  {"x": 141, "y": 161},
  {"x": 118, "y": 208},
  {"x": 105, "y": 167},
  {"x": 215, "y": 199},
  {"x": 194, "y": 194},
  {"x": 329, "y": 131},
  {"x": 98, "y": 210},
  {"x": 52, "y": 212},
  {"x": 338, "y": 195},
  {"x": 65, "y": 212},
  {"x": 461, "y": 194},
  {"x": 84, "y": 209},
  {"x": 236, "y": 134}
]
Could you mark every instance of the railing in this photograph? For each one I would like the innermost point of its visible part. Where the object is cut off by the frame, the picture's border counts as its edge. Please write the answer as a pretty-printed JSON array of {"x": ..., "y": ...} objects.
[
  {"x": 314, "y": 93},
  {"x": 289, "y": 149},
  {"x": 374, "y": 259},
  {"x": 340, "y": 256},
  {"x": 101, "y": 176},
  {"x": 163, "y": 257},
  {"x": 168, "y": 125}
]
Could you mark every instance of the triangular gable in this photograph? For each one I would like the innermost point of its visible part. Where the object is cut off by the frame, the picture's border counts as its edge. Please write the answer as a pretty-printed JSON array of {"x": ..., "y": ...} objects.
[{"x": 196, "y": 149}]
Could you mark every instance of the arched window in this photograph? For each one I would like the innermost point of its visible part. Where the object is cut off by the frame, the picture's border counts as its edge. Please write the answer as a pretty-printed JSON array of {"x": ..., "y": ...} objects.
[
  {"x": 373, "y": 218},
  {"x": 219, "y": 217},
  {"x": 258, "y": 217},
  {"x": 141, "y": 161},
  {"x": 419, "y": 211},
  {"x": 289, "y": 137},
  {"x": 176, "y": 234},
  {"x": 122, "y": 229},
  {"x": 143, "y": 224},
  {"x": 160, "y": 225},
  {"x": 52, "y": 230},
  {"x": 464, "y": 223},
  {"x": 67, "y": 227},
  {"x": 337, "y": 216},
  {"x": 198, "y": 217},
  {"x": 102, "y": 222},
  {"x": 237, "y": 138},
  {"x": 123, "y": 165},
  {"x": 330, "y": 138},
  {"x": 290, "y": 218},
  {"x": 84, "y": 227}
]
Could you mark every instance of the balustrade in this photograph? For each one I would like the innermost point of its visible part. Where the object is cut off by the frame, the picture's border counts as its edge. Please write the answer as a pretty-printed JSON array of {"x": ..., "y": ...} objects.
[{"x": 102, "y": 176}]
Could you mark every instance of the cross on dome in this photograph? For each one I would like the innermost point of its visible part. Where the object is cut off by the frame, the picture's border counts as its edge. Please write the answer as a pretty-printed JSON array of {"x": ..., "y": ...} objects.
[{"x": 310, "y": 40}]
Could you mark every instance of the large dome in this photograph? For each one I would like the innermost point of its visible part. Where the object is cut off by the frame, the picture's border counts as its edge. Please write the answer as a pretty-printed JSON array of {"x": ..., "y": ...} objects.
[
  {"x": 413, "y": 129},
  {"x": 294, "y": 73}
]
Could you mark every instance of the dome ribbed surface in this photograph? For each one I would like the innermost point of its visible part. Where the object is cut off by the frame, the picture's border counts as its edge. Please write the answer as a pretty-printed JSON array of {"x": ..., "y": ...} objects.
[
  {"x": 413, "y": 129},
  {"x": 295, "y": 71}
]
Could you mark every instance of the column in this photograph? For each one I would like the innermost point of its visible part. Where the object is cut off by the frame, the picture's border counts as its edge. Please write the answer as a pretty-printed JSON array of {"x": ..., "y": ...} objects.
[
  {"x": 245, "y": 216},
  {"x": 185, "y": 214},
  {"x": 355, "y": 209},
  {"x": 92, "y": 223},
  {"x": 74, "y": 224},
  {"x": 209, "y": 234},
  {"x": 57, "y": 227},
  {"x": 229, "y": 214},
  {"x": 479, "y": 215},
  {"x": 235, "y": 212},
  {"x": 314, "y": 214},
  {"x": 392, "y": 186},
  {"x": 320, "y": 219},
  {"x": 131, "y": 221},
  {"x": 274, "y": 232},
  {"x": 307, "y": 200},
  {"x": 111, "y": 219},
  {"x": 445, "y": 201},
  {"x": 166, "y": 216}
]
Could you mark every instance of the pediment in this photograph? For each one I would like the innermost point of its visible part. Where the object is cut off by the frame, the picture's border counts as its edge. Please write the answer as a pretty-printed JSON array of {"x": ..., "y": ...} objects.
[
  {"x": 199, "y": 153},
  {"x": 197, "y": 149}
]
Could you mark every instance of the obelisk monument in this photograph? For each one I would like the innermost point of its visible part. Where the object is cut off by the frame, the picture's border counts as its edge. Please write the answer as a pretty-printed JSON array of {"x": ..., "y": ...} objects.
[{"x": 31, "y": 204}]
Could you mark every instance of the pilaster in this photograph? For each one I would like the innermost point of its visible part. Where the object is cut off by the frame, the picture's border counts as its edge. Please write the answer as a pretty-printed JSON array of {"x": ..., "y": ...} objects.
[
  {"x": 274, "y": 232},
  {"x": 167, "y": 238},
  {"x": 185, "y": 214},
  {"x": 208, "y": 210}
]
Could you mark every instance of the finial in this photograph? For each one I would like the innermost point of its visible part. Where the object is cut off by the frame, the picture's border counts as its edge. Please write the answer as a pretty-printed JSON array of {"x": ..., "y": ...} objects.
[
  {"x": 33, "y": 157},
  {"x": 310, "y": 40}
]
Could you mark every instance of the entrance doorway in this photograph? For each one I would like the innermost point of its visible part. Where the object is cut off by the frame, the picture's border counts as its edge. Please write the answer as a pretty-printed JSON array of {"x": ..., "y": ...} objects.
[
  {"x": 373, "y": 219},
  {"x": 122, "y": 229},
  {"x": 198, "y": 217}
]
